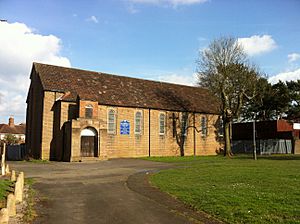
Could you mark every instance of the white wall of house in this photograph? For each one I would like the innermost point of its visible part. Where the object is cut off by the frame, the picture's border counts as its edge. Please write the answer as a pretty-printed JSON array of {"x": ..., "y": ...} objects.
[{"x": 19, "y": 136}]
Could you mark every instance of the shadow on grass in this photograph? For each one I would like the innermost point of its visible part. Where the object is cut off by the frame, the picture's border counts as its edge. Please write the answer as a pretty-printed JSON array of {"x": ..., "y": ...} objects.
[{"x": 268, "y": 157}]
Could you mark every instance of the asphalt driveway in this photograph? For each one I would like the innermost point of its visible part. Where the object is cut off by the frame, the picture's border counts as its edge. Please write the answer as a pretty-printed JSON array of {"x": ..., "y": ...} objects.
[{"x": 97, "y": 192}]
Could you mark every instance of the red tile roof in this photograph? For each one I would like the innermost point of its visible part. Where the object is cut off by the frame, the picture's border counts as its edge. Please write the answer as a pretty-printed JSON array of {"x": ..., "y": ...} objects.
[
  {"x": 117, "y": 90},
  {"x": 16, "y": 129}
]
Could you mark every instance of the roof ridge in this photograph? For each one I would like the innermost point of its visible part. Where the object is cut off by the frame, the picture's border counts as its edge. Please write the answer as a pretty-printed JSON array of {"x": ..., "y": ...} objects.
[
  {"x": 17, "y": 129},
  {"x": 117, "y": 75},
  {"x": 111, "y": 89}
]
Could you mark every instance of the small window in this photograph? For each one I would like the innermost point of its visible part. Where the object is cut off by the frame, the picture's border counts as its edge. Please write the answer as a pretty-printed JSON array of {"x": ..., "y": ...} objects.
[
  {"x": 162, "y": 123},
  {"x": 89, "y": 111},
  {"x": 111, "y": 122},
  {"x": 204, "y": 126},
  {"x": 221, "y": 127},
  {"x": 184, "y": 123},
  {"x": 138, "y": 123}
]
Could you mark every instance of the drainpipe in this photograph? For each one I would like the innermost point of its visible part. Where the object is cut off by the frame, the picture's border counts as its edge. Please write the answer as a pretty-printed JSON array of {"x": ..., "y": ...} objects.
[
  {"x": 149, "y": 140},
  {"x": 194, "y": 124}
]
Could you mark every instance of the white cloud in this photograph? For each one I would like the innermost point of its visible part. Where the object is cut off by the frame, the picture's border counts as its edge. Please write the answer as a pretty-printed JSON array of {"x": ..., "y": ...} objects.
[
  {"x": 285, "y": 76},
  {"x": 293, "y": 57},
  {"x": 92, "y": 19},
  {"x": 132, "y": 9},
  {"x": 201, "y": 39},
  {"x": 20, "y": 46},
  {"x": 256, "y": 44},
  {"x": 173, "y": 3},
  {"x": 190, "y": 80}
]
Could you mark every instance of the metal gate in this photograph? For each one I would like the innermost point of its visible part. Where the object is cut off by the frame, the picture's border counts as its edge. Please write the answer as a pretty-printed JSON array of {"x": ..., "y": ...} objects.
[{"x": 87, "y": 146}]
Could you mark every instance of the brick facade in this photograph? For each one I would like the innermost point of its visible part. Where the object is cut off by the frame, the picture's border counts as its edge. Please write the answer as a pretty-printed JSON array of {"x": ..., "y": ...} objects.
[
  {"x": 57, "y": 125},
  {"x": 136, "y": 145}
]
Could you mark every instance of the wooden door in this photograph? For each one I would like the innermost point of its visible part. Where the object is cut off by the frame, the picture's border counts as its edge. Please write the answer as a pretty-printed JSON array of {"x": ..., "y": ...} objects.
[{"x": 87, "y": 146}]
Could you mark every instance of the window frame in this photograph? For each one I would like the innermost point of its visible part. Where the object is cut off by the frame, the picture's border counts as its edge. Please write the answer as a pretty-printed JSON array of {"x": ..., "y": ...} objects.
[
  {"x": 221, "y": 127},
  {"x": 204, "y": 126},
  {"x": 140, "y": 124},
  {"x": 114, "y": 123},
  {"x": 182, "y": 115},
  {"x": 88, "y": 109},
  {"x": 164, "y": 122}
]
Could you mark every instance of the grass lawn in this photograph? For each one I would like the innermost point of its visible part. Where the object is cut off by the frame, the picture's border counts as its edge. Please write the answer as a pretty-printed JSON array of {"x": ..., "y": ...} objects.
[
  {"x": 5, "y": 188},
  {"x": 238, "y": 190},
  {"x": 37, "y": 161}
]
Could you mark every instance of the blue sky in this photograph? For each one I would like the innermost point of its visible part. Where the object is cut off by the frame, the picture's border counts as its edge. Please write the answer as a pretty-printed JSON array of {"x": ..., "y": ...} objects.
[{"x": 152, "y": 39}]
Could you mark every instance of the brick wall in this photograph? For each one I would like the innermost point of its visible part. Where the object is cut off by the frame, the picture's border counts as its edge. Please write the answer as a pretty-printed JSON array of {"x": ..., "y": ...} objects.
[
  {"x": 48, "y": 114},
  {"x": 82, "y": 107},
  {"x": 207, "y": 145},
  {"x": 133, "y": 145},
  {"x": 55, "y": 115},
  {"x": 34, "y": 117},
  {"x": 61, "y": 115},
  {"x": 117, "y": 145}
]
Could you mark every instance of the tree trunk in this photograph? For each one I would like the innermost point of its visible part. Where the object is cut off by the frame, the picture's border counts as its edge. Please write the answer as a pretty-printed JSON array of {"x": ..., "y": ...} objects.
[
  {"x": 182, "y": 146},
  {"x": 181, "y": 150},
  {"x": 227, "y": 151}
]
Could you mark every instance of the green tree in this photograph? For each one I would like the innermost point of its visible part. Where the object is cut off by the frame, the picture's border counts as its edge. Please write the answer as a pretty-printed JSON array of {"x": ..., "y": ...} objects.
[
  {"x": 294, "y": 104},
  {"x": 10, "y": 139},
  {"x": 223, "y": 68},
  {"x": 260, "y": 106},
  {"x": 281, "y": 99},
  {"x": 271, "y": 102}
]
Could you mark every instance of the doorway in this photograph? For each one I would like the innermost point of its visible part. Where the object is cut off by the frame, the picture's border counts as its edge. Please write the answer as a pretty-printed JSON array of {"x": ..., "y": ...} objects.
[{"x": 89, "y": 142}]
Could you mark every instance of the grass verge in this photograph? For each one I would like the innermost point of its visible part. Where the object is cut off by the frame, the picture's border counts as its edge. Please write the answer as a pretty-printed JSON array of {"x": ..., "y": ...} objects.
[
  {"x": 29, "y": 213},
  {"x": 37, "y": 161},
  {"x": 238, "y": 190},
  {"x": 6, "y": 186}
]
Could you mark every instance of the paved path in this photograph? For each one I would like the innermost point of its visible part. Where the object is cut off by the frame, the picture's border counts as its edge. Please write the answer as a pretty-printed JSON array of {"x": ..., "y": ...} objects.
[{"x": 96, "y": 192}]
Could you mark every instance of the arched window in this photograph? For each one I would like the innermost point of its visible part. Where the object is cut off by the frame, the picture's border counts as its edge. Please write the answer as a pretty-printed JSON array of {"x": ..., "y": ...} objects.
[
  {"x": 138, "y": 123},
  {"x": 221, "y": 127},
  {"x": 111, "y": 122},
  {"x": 204, "y": 126},
  {"x": 184, "y": 123},
  {"x": 162, "y": 123},
  {"x": 89, "y": 111},
  {"x": 88, "y": 132}
]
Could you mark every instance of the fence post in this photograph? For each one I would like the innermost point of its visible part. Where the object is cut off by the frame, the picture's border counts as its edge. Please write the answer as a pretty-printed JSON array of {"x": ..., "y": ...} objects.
[
  {"x": 11, "y": 204},
  {"x": 3, "y": 160},
  {"x": 13, "y": 176}
]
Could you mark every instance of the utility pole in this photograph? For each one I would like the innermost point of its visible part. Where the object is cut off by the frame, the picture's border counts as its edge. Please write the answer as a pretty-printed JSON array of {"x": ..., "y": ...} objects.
[{"x": 254, "y": 140}]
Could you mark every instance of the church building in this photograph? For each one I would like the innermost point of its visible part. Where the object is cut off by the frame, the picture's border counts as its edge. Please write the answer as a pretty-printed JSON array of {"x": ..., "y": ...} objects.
[{"x": 77, "y": 115}]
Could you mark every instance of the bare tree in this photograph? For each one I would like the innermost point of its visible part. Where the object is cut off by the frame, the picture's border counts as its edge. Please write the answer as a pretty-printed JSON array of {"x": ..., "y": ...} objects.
[
  {"x": 182, "y": 122},
  {"x": 223, "y": 68}
]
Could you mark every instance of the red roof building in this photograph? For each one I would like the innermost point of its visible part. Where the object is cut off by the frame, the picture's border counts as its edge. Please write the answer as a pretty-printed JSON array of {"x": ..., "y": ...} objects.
[
  {"x": 278, "y": 129},
  {"x": 276, "y": 136},
  {"x": 12, "y": 128}
]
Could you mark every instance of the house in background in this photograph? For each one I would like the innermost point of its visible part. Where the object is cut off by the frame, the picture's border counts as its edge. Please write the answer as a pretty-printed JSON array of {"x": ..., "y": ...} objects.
[
  {"x": 11, "y": 128},
  {"x": 74, "y": 114},
  {"x": 272, "y": 137}
]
